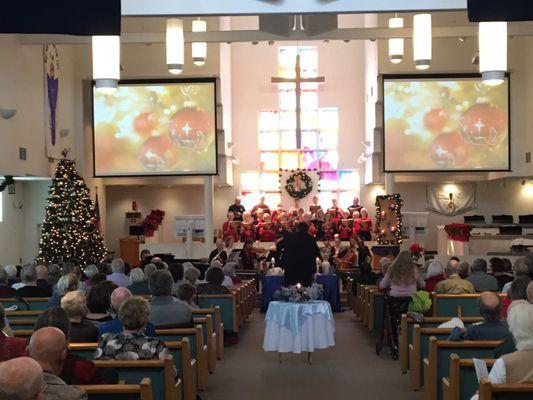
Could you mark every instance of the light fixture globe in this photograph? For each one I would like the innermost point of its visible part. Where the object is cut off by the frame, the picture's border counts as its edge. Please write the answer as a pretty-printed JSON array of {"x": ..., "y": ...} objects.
[
  {"x": 396, "y": 48},
  {"x": 175, "y": 45},
  {"x": 106, "y": 63},
  {"x": 199, "y": 49},
  {"x": 422, "y": 40},
  {"x": 492, "y": 52}
]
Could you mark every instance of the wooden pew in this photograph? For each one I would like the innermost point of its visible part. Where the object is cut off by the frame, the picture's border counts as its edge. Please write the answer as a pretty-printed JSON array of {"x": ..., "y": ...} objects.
[
  {"x": 160, "y": 372},
  {"x": 228, "y": 308},
  {"x": 210, "y": 340},
  {"x": 451, "y": 305},
  {"x": 142, "y": 391},
  {"x": 197, "y": 348},
  {"x": 461, "y": 383},
  {"x": 375, "y": 312},
  {"x": 21, "y": 324},
  {"x": 437, "y": 364},
  {"x": 23, "y": 315},
  {"x": 419, "y": 350},
  {"x": 405, "y": 337},
  {"x": 515, "y": 391},
  {"x": 181, "y": 356},
  {"x": 35, "y": 303},
  {"x": 218, "y": 327}
]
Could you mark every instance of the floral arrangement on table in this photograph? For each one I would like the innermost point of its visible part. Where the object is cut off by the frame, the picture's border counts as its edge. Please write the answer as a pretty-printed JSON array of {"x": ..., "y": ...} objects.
[
  {"x": 459, "y": 232},
  {"x": 152, "y": 222},
  {"x": 299, "y": 293}
]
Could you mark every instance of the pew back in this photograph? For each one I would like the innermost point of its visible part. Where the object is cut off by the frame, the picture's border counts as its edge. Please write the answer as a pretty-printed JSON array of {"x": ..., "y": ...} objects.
[
  {"x": 34, "y": 303},
  {"x": 517, "y": 391},
  {"x": 228, "y": 308},
  {"x": 142, "y": 391},
  {"x": 461, "y": 383}
]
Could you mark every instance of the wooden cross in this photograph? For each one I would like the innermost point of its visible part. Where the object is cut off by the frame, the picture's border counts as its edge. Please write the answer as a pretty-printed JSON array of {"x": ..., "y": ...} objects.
[{"x": 298, "y": 80}]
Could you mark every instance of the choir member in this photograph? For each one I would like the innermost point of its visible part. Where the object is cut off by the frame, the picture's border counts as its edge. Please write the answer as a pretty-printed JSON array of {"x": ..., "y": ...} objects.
[
  {"x": 313, "y": 208},
  {"x": 276, "y": 213},
  {"x": 356, "y": 206},
  {"x": 318, "y": 222},
  {"x": 345, "y": 227},
  {"x": 355, "y": 217},
  {"x": 230, "y": 228},
  {"x": 266, "y": 231},
  {"x": 334, "y": 209},
  {"x": 259, "y": 216},
  {"x": 247, "y": 227},
  {"x": 293, "y": 211},
  {"x": 237, "y": 209},
  {"x": 283, "y": 225},
  {"x": 261, "y": 205},
  {"x": 364, "y": 225}
]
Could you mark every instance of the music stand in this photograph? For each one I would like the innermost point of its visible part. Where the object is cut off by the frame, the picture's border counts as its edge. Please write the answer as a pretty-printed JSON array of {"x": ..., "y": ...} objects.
[{"x": 136, "y": 230}]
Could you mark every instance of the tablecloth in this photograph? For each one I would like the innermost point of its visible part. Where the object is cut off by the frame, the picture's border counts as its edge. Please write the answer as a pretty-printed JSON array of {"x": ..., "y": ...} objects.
[
  {"x": 298, "y": 327},
  {"x": 329, "y": 282}
]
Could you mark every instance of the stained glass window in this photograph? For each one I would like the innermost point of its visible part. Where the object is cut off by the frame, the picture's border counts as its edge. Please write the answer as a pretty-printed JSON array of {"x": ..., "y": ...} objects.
[{"x": 319, "y": 138}]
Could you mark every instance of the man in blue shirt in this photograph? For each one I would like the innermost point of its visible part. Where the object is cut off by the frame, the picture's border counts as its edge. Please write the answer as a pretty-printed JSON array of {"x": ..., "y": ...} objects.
[
  {"x": 492, "y": 327},
  {"x": 115, "y": 325}
]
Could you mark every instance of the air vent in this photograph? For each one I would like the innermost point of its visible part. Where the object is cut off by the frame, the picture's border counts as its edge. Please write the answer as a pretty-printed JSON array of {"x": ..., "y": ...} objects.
[{"x": 22, "y": 153}]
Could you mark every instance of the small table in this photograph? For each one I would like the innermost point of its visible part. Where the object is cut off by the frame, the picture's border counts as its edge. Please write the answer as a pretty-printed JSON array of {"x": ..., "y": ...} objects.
[
  {"x": 330, "y": 284},
  {"x": 299, "y": 327}
]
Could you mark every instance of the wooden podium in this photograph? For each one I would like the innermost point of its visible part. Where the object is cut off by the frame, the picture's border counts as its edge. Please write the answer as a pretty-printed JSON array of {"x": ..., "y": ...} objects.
[{"x": 129, "y": 250}]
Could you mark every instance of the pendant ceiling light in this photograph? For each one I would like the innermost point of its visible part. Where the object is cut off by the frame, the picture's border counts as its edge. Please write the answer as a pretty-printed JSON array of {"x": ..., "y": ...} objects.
[
  {"x": 492, "y": 52},
  {"x": 106, "y": 63},
  {"x": 396, "y": 44},
  {"x": 199, "y": 49},
  {"x": 422, "y": 40},
  {"x": 175, "y": 45}
]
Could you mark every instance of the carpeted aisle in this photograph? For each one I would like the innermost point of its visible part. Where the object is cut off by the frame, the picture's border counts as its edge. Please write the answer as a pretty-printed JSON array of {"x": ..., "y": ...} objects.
[{"x": 350, "y": 370}]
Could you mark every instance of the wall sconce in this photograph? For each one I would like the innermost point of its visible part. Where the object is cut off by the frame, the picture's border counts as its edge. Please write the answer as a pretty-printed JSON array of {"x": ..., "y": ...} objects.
[{"x": 7, "y": 113}]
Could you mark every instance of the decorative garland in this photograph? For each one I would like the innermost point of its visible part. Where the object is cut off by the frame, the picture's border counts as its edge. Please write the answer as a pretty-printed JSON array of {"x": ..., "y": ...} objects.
[
  {"x": 396, "y": 207},
  {"x": 302, "y": 177}
]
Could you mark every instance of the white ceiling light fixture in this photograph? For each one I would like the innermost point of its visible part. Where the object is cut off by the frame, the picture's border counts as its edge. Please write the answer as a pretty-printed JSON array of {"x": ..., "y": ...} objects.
[
  {"x": 175, "y": 45},
  {"x": 396, "y": 44},
  {"x": 106, "y": 63},
  {"x": 199, "y": 49},
  {"x": 422, "y": 40},
  {"x": 492, "y": 52}
]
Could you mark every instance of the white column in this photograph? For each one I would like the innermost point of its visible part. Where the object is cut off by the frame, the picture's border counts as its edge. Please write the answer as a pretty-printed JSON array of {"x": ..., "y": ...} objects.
[
  {"x": 389, "y": 183},
  {"x": 209, "y": 205}
]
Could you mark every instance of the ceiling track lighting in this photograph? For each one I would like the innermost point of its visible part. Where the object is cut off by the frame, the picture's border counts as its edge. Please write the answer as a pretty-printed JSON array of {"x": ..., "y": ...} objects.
[
  {"x": 492, "y": 52},
  {"x": 106, "y": 63},
  {"x": 199, "y": 49},
  {"x": 175, "y": 45},
  {"x": 396, "y": 45},
  {"x": 422, "y": 40}
]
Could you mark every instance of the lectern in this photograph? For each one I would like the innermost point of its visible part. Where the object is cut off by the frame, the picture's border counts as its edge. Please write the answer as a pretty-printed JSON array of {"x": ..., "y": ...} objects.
[{"x": 129, "y": 250}]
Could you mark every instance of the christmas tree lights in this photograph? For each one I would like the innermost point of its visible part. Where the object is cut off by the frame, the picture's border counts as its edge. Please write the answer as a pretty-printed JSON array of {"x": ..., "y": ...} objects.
[{"x": 70, "y": 229}]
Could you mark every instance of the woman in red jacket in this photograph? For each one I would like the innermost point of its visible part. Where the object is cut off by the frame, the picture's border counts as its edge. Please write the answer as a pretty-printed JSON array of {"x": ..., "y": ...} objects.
[{"x": 364, "y": 225}]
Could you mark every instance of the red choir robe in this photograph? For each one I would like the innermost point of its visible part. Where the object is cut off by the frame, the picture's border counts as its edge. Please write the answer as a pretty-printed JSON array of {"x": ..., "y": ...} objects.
[
  {"x": 228, "y": 231},
  {"x": 363, "y": 224},
  {"x": 247, "y": 231},
  {"x": 266, "y": 232}
]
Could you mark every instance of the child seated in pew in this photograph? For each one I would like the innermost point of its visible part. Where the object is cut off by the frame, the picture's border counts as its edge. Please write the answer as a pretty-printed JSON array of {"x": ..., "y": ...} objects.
[
  {"x": 516, "y": 367},
  {"x": 132, "y": 343},
  {"x": 76, "y": 370}
]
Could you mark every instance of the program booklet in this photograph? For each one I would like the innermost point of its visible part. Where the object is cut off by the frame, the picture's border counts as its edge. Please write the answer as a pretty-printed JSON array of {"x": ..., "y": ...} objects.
[{"x": 481, "y": 368}]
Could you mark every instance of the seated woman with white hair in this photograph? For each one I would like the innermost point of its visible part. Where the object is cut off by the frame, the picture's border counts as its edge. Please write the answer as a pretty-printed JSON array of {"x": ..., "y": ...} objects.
[
  {"x": 229, "y": 271},
  {"x": 139, "y": 285},
  {"x": 228, "y": 282},
  {"x": 434, "y": 274},
  {"x": 67, "y": 283},
  {"x": 516, "y": 367},
  {"x": 75, "y": 305}
]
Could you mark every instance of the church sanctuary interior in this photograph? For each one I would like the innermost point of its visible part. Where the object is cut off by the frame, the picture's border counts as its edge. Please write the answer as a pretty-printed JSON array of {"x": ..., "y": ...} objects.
[{"x": 266, "y": 199}]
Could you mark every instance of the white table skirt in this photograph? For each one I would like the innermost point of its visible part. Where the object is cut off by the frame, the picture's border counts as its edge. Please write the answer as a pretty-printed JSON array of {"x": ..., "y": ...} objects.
[{"x": 316, "y": 332}]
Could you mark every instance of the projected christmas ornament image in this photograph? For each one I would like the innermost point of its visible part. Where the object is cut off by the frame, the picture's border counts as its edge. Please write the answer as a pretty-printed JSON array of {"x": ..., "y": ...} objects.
[
  {"x": 438, "y": 124},
  {"x": 155, "y": 129}
]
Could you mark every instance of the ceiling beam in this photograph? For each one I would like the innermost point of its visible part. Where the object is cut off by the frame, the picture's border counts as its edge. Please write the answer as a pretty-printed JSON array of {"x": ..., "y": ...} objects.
[
  {"x": 140, "y": 8},
  {"x": 259, "y": 36}
]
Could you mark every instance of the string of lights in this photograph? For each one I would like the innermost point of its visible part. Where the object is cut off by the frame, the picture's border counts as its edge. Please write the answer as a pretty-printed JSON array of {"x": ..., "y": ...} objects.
[{"x": 389, "y": 230}]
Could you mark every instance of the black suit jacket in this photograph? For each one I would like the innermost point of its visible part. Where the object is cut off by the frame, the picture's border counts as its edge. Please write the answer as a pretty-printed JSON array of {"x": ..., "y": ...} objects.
[{"x": 300, "y": 253}]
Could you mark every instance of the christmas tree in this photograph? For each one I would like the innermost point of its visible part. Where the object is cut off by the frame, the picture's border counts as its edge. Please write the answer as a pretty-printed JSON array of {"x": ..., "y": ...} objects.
[{"x": 70, "y": 228}]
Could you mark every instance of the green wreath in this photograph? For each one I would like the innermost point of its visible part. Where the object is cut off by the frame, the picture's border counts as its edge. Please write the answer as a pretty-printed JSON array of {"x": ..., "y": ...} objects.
[{"x": 297, "y": 179}]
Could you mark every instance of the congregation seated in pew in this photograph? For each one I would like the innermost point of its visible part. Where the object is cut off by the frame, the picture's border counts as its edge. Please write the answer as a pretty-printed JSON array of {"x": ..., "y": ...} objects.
[
  {"x": 76, "y": 370},
  {"x": 166, "y": 310},
  {"x": 492, "y": 327},
  {"x": 214, "y": 277},
  {"x": 479, "y": 277},
  {"x": 21, "y": 378},
  {"x": 75, "y": 305},
  {"x": 434, "y": 274},
  {"x": 516, "y": 367},
  {"x": 67, "y": 283},
  {"x": 139, "y": 284},
  {"x": 98, "y": 303},
  {"x": 454, "y": 284},
  {"x": 517, "y": 291},
  {"x": 132, "y": 343},
  {"x": 10, "y": 347}
]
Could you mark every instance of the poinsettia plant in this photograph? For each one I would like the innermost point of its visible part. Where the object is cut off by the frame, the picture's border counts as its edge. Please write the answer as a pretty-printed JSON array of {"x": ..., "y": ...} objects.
[
  {"x": 459, "y": 232},
  {"x": 152, "y": 222}
]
